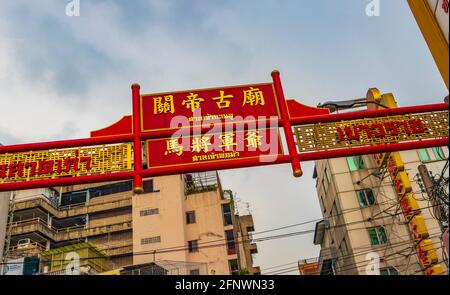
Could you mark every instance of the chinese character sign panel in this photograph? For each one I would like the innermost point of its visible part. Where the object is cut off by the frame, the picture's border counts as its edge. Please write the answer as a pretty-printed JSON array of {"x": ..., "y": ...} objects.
[
  {"x": 238, "y": 103},
  {"x": 217, "y": 147},
  {"x": 56, "y": 163},
  {"x": 375, "y": 131}
]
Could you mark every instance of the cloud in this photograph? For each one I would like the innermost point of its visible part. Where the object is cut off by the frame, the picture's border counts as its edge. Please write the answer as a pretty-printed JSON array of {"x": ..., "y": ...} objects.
[{"x": 61, "y": 77}]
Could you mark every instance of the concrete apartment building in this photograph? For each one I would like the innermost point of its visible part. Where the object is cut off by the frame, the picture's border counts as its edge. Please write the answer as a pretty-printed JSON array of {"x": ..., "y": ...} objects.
[
  {"x": 185, "y": 219},
  {"x": 362, "y": 214},
  {"x": 191, "y": 219},
  {"x": 4, "y": 207}
]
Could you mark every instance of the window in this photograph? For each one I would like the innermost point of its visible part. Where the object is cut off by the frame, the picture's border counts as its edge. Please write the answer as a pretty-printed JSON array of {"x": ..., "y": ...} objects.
[
  {"x": 356, "y": 163},
  {"x": 438, "y": 153},
  {"x": 148, "y": 185},
  {"x": 424, "y": 156},
  {"x": 147, "y": 212},
  {"x": 234, "y": 267},
  {"x": 341, "y": 258},
  {"x": 323, "y": 204},
  {"x": 344, "y": 247},
  {"x": 377, "y": 235},
  {"x": 366, "y": 198},
  {"x": 227, "y": 215},
  {"x": 388, "y": 271},
  {"x": 190, "y": 217},
  {"x": 328, "y": 175},
  {"x": 193, "y": 246},
  {"x": 342, "y": 254},
  {"x": 231, "y": 246},
  {"x": 194, "y": 272},
  {"x": 334, "y": 214},
  {"x": 151, "y": 240},
  {"x": 110, "y": 189}
]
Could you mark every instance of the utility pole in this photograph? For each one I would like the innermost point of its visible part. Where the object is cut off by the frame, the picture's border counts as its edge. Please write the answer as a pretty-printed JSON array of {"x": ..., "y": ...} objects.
[
  {"x": 427, "y": 180},
  {"x": 428, "y": 183},
  {"x": 433, "y": 188}
]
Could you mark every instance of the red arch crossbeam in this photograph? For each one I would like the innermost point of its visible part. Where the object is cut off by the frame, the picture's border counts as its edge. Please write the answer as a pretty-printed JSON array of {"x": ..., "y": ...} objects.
[{"x": 138, "y": 173}]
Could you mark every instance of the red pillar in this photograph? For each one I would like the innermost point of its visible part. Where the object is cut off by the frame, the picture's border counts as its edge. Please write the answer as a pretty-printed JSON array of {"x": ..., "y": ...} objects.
[
  {"x": 137, "y": 143},
  {"x": 295, "y": 163}
]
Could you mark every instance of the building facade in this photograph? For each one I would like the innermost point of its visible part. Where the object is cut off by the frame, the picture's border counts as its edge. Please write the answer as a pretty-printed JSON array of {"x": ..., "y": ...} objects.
[
  {"x": 181, "y": 219},
  {"x": 190, "y": 218},
  {"x": 4, "y": 208},
  {"x": 375, "y": 222},
  {"x": 308, "y": 267}
]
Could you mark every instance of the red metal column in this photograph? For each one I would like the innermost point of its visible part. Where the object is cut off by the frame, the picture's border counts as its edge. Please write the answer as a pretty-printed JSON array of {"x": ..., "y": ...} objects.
[
  {"x": 295, "y": 163},
  {"x": 137, "y": 143}
]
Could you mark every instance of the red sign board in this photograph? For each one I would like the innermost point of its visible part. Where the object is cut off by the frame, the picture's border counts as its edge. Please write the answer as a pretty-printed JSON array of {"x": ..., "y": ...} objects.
[
  {"x": 217, "y": 147},
  {"x": 238, "y": 103}
]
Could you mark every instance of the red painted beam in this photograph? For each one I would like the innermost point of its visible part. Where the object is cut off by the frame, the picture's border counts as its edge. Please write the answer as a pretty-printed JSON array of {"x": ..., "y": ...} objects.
[
  {"x": 369, "y": 114},
  {"x": 241, "y": 163},
  {"x": 162, "y": 134},
  {"x": 368, "y": 150},
  {"x": 309, "y": 156}
]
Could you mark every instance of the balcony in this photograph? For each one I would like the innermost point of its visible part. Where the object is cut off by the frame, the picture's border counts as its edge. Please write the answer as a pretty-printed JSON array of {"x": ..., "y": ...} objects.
[
  {"x": 75, "y": 209},
  {"x": 195, "y": 183},
  {"x": 88, "y": 268},
  {"x": 64, "y": 234},
  {"x": 124, "y": 249},
  {"x": 31, "y": 249},
  {"x": 253, "y": 248}
]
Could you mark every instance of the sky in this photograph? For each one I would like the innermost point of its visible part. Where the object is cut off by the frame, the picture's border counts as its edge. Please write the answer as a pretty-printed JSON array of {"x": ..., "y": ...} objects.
[{"x": 62, "y": 76}]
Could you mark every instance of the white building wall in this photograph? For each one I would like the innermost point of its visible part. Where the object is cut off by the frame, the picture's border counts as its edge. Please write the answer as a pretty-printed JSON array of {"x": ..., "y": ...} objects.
[{"x": 342, "y": 191}]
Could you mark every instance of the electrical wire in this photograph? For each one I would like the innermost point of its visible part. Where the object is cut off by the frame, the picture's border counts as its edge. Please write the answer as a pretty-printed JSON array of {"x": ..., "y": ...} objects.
[
  {"x": 368, "y": 247},
  {"x": 186, "y": 248},
  {"x": 354, "y": 266},
  {"x": 346, "y": 211},
  {"x": 356, "y": 254}
]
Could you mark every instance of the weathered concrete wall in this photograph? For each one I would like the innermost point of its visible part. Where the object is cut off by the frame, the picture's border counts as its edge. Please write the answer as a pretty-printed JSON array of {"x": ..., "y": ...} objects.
[{"x": 4, "y": 205}]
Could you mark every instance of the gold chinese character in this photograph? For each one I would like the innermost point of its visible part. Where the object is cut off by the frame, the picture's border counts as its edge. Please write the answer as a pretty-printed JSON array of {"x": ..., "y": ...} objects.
[
  {"x": 253, "y": 139},
  {"x": 163, "y": 107},
  {"x": 192, "y": 101},
  {"x": 174, "y": 147},
  {"x": 200, "y": 144},
  {"x": 227, "y": 140},
  {"x": 253, "y": 97},
  {"x": 222, "y": 102}
]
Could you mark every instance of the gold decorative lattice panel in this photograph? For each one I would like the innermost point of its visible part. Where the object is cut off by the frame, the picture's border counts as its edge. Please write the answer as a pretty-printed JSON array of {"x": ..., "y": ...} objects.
[
  {"x": 366, "y": 132},
  {"x": 57, "y": 163}
]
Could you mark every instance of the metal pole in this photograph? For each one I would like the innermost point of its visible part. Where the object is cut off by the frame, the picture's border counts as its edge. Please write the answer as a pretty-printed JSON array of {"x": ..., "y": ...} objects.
[
  {"x": 137, "y": 143},
  {"x": 295, "y": 163}
]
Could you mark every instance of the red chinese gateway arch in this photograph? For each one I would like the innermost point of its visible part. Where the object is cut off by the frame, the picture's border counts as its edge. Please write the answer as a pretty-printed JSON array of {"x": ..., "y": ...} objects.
[{"x": 116, "y": 152}]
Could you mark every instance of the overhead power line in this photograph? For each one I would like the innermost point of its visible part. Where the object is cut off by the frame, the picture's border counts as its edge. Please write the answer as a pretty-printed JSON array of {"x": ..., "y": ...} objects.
[
  {"x": 360, "y": 253},
  {"x": 274, "y": 237}
]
